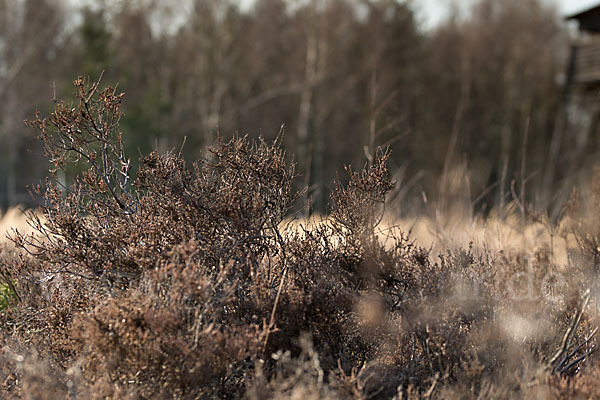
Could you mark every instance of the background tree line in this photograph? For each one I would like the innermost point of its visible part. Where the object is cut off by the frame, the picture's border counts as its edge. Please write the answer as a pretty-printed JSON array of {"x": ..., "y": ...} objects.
[{"x": 469, "y": 108}]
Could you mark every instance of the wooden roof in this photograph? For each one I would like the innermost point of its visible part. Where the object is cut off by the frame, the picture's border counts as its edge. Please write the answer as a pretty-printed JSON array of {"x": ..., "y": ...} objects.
[{"x": 589, "y": 20}]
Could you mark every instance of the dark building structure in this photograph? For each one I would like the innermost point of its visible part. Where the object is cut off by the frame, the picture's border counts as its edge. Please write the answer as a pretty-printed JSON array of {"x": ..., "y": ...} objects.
[
  {"x": 584, "y": 68},
  {"x": 582, "y": 90}
]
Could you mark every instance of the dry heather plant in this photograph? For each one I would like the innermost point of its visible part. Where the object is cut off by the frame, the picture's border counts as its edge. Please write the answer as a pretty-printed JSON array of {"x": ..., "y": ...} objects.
[{"x": 181, "y": 282}]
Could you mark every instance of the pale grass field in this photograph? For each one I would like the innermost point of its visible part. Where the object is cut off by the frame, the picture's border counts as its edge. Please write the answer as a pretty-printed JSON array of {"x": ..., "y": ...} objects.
[
  {"x": 13, "y": 218},
  {"x": 450, "y": 225},
  {"x": 494, "y": 234},
  {"x": 508, "y": 235}
]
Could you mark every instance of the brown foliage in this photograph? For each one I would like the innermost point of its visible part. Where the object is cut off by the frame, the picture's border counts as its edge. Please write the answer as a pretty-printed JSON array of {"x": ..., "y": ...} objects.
[{"x": 184, "y": 283}]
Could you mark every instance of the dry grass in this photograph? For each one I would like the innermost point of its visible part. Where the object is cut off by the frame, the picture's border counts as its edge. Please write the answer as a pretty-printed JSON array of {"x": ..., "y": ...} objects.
[
  {"x": 510, "y": 235},
  {"x": 494, "y": 234},
  {"x": 13, "y": 218}
]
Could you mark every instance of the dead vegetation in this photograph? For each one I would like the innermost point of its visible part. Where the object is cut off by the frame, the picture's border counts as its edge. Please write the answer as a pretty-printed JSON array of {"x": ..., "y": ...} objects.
[{"x": 182, "y": 282}]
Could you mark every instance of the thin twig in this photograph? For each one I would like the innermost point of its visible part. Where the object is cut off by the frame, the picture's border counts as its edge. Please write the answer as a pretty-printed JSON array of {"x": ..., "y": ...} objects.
[
  {"x": 563, "y": 353},
  {"x": 272, "y": 320}
]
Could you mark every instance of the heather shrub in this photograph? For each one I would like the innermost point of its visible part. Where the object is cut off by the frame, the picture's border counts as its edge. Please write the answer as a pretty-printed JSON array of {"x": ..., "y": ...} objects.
[{"x": 181, "y": 281}]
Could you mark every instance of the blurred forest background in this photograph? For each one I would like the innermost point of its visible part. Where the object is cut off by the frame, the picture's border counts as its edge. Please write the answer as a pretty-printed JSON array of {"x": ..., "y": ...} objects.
[{"x": 473, "y": 108}]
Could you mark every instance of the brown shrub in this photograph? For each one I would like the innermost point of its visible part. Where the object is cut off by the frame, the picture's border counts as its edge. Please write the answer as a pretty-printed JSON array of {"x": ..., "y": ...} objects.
[{"x": 183, "y": 283}]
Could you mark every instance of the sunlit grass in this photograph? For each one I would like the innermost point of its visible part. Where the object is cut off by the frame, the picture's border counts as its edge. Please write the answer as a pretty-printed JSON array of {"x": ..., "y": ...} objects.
[
  {"x": 13, "y": 218},
  {"x": 509, "y": 234}
]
